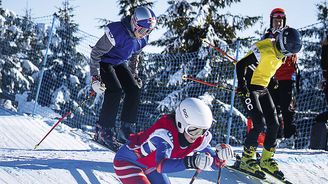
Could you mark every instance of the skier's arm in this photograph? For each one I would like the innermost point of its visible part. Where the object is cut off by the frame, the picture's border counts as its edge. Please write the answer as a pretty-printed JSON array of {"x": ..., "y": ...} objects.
[
  {"x": 167, "y": 164},
  {"x": 163, "y": 148},
  {"x": 241, "y": 68},
  {"x": 133, "y": 64},
  {"x": 103, "y": 45}
]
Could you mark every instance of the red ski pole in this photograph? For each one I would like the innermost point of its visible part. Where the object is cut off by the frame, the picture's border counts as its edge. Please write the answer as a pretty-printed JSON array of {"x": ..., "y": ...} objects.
[
  {"x": 234, "y": 61},
  {"x": 185, "y": 77},
  {"x": 92, "y": 93}
]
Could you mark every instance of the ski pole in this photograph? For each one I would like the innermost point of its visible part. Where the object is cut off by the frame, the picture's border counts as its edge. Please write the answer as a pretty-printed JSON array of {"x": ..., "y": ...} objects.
[
  {"x": 219, "y": 174},
  {"x": 234, "y": 61},
  {"x": 92, "y": 93},
  {"x": 195, "y": 175},
  {"x": 185, "y": 77}
]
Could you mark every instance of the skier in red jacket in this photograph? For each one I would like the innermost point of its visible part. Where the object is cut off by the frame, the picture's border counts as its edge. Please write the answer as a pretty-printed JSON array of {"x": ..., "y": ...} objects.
[{"x": 175, "y": 142}]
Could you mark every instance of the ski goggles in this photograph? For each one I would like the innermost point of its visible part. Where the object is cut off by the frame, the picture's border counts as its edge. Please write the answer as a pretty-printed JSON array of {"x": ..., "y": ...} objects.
[
  {"x": 194, "y": 131},
  {"x": 140, "y": 29},
  {"x": 143, "y": 31},
  {"x": 278, "y": 15}
]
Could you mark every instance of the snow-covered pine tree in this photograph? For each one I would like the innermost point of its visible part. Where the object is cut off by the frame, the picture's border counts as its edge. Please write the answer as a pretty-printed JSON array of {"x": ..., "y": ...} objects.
[
  {"x": 65, "y": 72},
  {"x": 310, "y": 97},
  {"x": 127, "y": 7},
  {"x": 30, "y": 45},
  {"x": 309, "y": 62},
  {"x": 188, "y": 23},
  {"x": 16, "y": 65}
]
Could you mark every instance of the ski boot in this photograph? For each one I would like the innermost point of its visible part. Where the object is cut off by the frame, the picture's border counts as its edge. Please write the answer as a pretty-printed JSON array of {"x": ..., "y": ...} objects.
[
  {"x": 249, "y": 163},
  {"x": 269, "y": 165},
  {"x": 97, "y": 131},
  {"x": 108, "y": 138},
  {"x": 125, "y": 130}
]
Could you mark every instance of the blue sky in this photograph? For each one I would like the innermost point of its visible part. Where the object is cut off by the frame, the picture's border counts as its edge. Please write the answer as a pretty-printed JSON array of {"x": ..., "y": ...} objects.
[{"x": 300, "y": 13}]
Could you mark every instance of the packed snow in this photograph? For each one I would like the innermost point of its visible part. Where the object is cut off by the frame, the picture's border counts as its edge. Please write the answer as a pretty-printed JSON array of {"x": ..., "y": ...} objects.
[{"x": 67, "y": 156}]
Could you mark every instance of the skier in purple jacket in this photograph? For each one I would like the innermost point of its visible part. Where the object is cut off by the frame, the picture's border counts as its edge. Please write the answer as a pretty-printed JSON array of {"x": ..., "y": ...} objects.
[{"x": 113, "y": 67}]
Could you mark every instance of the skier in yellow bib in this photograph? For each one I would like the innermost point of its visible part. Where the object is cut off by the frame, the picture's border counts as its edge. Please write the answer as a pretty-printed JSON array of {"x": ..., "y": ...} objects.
[{"x": 254, "y": 72}]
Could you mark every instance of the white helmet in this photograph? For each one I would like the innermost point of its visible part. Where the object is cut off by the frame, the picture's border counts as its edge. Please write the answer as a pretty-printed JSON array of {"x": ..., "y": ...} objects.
[{"x": 193, "y": 112}]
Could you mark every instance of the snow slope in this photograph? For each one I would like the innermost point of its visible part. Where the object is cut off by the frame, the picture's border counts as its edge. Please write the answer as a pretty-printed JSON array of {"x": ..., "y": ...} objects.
[{"x": 67, "y": 158}]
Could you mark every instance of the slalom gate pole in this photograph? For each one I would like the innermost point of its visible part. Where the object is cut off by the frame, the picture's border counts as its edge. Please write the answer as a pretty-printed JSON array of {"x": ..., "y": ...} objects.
[
  {"x": 92, "y": 93},
  {"x": 219, "y": 174},
  {"x": 195, "y": 175},
  {"x": 234, "y": 61},
  {"x": 185, "y": 77}
]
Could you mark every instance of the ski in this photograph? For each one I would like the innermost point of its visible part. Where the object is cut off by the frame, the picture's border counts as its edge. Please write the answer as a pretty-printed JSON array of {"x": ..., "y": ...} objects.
[
  {"x": 282, "y": 179},
  {"x": 266, "y": 178},
  {"x": 90, "y": 137}
]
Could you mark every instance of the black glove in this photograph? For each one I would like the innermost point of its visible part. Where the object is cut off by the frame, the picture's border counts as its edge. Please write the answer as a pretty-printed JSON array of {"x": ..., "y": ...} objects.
[
  {"x": 243, "y": 91},
  {"x": 274, "y": 83}
]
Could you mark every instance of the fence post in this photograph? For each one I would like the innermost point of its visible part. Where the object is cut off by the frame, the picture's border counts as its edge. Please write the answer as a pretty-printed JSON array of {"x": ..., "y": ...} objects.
[
  {"x": 44, "y": 64},
  {"x": 232, "y": 95}
]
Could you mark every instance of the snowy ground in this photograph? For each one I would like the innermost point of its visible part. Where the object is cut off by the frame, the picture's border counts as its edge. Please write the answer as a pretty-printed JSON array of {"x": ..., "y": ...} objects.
[{"x": 66, "y": 158}]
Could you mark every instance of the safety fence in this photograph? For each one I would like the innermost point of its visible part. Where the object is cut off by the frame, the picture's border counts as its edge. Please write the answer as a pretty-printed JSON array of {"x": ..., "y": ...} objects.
[{"x": 44, "y": 67}]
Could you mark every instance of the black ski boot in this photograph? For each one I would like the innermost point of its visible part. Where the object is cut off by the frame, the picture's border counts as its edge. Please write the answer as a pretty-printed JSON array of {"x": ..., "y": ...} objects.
[{"x": 108, "y": 138}]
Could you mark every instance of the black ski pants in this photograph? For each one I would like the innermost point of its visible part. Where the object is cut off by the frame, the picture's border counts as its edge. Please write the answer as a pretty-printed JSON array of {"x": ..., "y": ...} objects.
[
  {"x": 261, "y": 109},
  {"x": 285, "y": 104},
  {"x": 119, "y": 81}
]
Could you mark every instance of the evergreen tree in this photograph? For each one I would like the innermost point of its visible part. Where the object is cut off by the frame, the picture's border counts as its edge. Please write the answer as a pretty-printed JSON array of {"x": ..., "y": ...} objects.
[
  {"x": 188, "y": 23},
  {"x": 30, "y": 43},
  {"x": 312, "y": 36},
  {"x": 127, "y": 7},
  {"x": 310, "y": 97},
  {"x": 65, "y": 64},
  {"x": 15, "y": 37}
]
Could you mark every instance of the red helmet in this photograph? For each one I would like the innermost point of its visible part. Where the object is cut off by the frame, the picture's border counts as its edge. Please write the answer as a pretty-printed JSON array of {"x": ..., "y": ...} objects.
[{"x": 278, "y": 13}]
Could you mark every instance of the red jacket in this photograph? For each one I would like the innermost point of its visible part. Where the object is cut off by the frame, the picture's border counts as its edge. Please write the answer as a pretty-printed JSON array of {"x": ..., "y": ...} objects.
[
  {"x": 165, "y": 122},
  {"x": 287, "y": 69}
]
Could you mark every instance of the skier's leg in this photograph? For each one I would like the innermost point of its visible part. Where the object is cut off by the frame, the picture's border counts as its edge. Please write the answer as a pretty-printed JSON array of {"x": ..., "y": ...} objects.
[
  {"x": 128, "y": 172},
  {"x": 131, "y": 101}
]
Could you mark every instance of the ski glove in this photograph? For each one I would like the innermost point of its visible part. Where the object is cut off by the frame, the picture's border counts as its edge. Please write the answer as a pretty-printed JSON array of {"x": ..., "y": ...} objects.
[
  {"x": 201, "y": 161},
  {"x": 274, "y": 82},
  {"x": 243, "y": 92},
  {"x": 97, "y": 85},
  {"x": 224, "y": 153}
]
